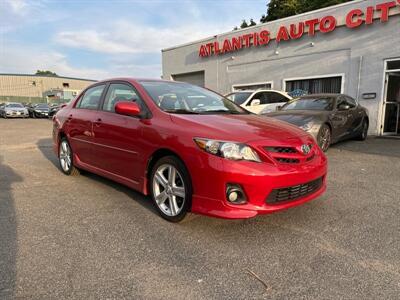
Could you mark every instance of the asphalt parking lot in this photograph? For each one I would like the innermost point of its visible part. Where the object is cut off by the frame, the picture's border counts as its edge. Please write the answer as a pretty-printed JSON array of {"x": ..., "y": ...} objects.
[{"x": 89, "y": 238}]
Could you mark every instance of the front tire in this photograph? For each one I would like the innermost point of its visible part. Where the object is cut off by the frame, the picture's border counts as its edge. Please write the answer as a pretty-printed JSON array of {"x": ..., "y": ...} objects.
[
  {"x": 324, "y": 137},
  {"x": 65, "y": 158},
  {"x": 364, "y": 131},
  {"x": 171, "y": 188}
]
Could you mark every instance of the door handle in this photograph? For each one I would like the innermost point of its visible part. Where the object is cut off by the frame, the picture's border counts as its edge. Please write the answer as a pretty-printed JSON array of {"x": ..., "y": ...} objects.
[{"x": 97, "y": 122}]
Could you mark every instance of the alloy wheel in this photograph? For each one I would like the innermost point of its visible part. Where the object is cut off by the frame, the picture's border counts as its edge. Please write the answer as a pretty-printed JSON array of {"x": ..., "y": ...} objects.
[
  {"x": 364, "y": 131},
  {"x": 169, "y": 190},
  {"x": 65, "y": 156},
  {"x": 324, "y": 139}
]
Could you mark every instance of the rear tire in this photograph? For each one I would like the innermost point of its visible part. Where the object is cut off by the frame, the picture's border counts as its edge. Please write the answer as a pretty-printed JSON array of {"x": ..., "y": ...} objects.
[
  {"x": 171, "y": 188},
  {"x": 364, "y": 131},
  {"x": 66, "y": 158},
  {"x": 324, "y": 137}
]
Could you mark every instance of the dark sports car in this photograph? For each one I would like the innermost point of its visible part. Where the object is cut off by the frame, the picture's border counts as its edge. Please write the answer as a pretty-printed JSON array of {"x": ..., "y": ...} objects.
[
  {"x": 328, "y": 117},
  {"x": 40, "y": 110}
]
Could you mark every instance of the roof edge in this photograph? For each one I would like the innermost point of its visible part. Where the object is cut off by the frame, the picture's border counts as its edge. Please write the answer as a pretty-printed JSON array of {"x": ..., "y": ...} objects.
[
  {"x": 47, "y": 76},
  {"x": 264, "y": 24}
]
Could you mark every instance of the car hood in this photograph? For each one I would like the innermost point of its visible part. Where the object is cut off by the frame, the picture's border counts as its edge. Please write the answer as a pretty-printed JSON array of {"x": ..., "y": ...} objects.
[
  {"x": 15, "y": 108},
  {"x": 238, "y": 128},
  {"x": 300, "y": 117}
]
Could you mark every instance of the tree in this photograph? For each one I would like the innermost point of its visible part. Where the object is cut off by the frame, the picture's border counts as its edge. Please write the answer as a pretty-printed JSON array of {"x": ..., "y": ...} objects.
[
  {"x": 244, "y": 24},
  {"x": 278, "y": 9},
  {"x": 252, "y": 23},
  {"x": 45, "y": 73},
  {"x": 317, "y": 4}
]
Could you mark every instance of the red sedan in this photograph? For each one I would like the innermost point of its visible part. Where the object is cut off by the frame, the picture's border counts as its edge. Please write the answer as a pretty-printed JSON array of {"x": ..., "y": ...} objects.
[{"x": 189, "y": 148}]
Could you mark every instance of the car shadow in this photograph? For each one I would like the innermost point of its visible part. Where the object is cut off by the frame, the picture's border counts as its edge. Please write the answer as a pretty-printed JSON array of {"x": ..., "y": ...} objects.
[
  {"x": 8, "y": 231},
  {"x": 372, "y": 145},
  {"x": 45, "y": 146}
]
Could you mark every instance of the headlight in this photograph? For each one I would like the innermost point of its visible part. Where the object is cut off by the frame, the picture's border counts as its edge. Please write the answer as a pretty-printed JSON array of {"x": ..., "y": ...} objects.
[{"x": 228, "y": 150}]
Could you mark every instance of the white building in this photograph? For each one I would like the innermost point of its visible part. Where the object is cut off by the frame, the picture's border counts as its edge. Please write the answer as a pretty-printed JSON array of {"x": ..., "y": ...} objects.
[{"x": 351, "y": 48}]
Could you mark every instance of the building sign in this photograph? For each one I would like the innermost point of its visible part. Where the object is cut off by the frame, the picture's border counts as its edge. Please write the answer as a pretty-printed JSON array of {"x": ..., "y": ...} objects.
[{"x": 354, "y": 19}]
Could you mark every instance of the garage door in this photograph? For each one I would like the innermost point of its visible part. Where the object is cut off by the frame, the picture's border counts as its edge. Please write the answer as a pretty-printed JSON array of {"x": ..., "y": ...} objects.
[{"x": 196, "y": 78}]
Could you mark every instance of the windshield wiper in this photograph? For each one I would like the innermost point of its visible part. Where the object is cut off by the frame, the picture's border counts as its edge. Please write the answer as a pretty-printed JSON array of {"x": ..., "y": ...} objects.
[
  {"x": 219, "y": 111},
  {"x": 181, "y": 111}
]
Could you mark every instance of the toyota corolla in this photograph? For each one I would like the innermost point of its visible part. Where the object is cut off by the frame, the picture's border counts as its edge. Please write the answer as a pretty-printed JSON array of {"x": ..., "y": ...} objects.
[{"x": 189, "y": 149}]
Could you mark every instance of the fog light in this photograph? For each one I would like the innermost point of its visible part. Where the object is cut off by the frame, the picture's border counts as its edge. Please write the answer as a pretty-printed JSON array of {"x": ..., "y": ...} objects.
[{"x": 235, "y": 194}]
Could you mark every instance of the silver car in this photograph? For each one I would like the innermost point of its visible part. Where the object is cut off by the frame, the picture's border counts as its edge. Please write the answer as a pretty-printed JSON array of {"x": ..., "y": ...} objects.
[{"x": 13, "y": 110}]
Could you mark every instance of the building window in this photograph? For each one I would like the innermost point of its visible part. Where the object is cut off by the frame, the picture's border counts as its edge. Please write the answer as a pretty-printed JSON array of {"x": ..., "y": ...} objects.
[
  {"x": 65, "y": 85},
  {"x": 196, "y": 78},
  {"x": 393, "y": 65},
  {"x": 315, "y": 85},
  {"x": 252, "y": 86}
]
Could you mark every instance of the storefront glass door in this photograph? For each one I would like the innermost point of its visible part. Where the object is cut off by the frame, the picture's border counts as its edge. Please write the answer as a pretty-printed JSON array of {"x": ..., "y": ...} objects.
[{"x": 391, "y": 122}]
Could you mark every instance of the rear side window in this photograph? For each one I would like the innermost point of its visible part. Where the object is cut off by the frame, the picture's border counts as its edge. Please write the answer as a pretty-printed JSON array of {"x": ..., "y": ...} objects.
[
  {"x": 276, "y": 98},
  {"x": 119, "y": 92},
  {"x": 261, "y": 97},
  {"x": 91, "y": 98}
]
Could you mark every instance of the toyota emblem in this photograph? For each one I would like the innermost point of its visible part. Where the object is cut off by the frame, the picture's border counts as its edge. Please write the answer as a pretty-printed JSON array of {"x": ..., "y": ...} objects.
[{"x": 305, "y": 149}]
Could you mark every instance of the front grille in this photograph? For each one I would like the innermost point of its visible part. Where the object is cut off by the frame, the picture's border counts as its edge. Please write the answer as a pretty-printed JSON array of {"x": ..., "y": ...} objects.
[
  {"x": 281, "y": 149},
  {"x": 311, "y": 157},
  {"x": 288, "y": 160},
  {"x": 294, "y": 192}
]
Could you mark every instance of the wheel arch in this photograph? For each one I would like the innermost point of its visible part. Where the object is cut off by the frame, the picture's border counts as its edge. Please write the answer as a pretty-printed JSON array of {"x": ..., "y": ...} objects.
[{"x": 154, "y": 157}]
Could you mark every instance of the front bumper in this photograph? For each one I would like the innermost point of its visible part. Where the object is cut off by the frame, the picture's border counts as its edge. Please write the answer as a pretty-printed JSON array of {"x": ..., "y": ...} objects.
[
  {"x": 41, "y": 114},
  {"x": 260, "y": 181},
  {"x": 17, "y": 115}
]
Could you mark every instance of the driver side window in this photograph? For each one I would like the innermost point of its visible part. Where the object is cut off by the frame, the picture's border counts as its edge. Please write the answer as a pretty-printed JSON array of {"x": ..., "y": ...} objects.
[
  {"x": 119, "y": 92},
  {"x": 351, "y": 102},
  {"x": 340, "y": 101}
]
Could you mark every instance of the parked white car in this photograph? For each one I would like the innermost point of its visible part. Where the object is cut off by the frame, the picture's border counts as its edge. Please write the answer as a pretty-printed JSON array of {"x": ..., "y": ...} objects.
[
  {"x": 259, "y": 101},
  {"x": 13, "y": 110}
]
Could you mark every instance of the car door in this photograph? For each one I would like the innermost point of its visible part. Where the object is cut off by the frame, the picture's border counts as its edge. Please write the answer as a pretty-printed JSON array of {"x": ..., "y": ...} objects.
[
  {"x": 342, "y": 118},
  {"x": 117, "y": 138},
  {"x": 80, "y": 123},
  {"x": 357, "y": 115}
]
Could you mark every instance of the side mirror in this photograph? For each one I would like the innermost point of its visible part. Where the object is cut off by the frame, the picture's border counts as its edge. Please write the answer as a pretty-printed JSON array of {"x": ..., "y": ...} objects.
[
  {"x": 279, "y": 107},
  {"x": 344, "y": 107},
  {"x": 127, "y": 109},
  {"x": 255, "y": 102},
  {"x": 63, "y": 105}
]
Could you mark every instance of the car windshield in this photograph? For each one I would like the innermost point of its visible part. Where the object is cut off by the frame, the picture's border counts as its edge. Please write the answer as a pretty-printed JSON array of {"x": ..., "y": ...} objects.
[
  {"x": 14, "y": 105},
  {"x": 184, "y": 98},
  {"x": 310, "y": 103},
  {"x": 239, "y": 97}
]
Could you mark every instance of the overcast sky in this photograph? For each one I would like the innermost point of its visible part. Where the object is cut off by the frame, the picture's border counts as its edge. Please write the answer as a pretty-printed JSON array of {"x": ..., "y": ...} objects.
[{"x": 101, "y": 39}]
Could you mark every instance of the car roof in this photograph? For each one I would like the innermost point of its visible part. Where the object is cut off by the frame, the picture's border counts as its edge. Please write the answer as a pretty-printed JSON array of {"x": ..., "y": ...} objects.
[
  {"x": 260, "y": 90},
  {"x": 331, "y": 95},
  {"x": 131, "y": 79}
]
